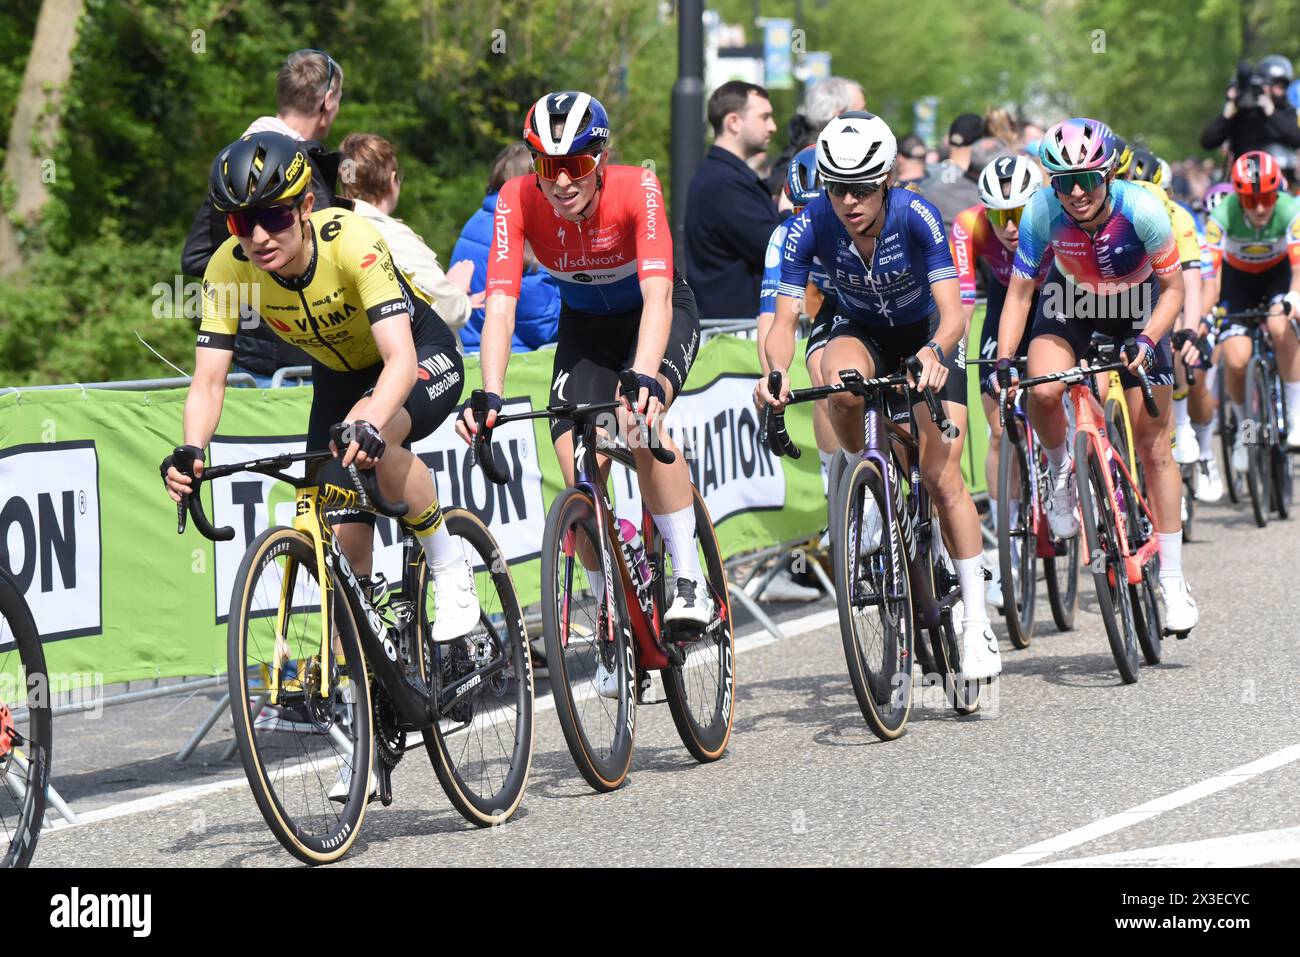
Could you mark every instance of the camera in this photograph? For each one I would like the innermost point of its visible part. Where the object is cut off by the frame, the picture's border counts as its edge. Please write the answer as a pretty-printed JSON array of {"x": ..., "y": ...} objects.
[{"x": 1250, "y": 86}]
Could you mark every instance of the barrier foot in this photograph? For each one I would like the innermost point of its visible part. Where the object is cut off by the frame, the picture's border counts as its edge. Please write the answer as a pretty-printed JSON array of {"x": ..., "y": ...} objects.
[
  {"x": 768, "y": 576},
  {"x": 757, "y": 613},
  {"x": 203, "y": 730},
  {"x": 234, "y": 741},
  {"x": 15, "y": 786},
  {"x": 53, "y": 798},
  {"x": 821, "y": 576}
]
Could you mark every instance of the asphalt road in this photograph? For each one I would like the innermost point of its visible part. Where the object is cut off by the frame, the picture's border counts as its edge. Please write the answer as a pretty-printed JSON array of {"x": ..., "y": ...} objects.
[{"x": 1066, "y": 766}]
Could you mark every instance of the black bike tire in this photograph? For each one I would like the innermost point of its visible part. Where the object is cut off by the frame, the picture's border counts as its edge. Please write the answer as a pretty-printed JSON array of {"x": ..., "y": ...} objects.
[
  {"x": 39, "y": 744},
  {"x": 340, "y": 839},
  {"x": 502, "y": 805},
  {"x": 1258, "y": 405},
  {"x": 602, "y": 774},
  {"x": 1017, "y": 609},
  {"x": 1063, "y": 605},
  {"x": 706, "y": 743}
]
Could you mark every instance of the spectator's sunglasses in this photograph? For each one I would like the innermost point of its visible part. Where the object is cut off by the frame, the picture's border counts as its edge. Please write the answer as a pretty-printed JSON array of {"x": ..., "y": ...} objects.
[
  {"x": 857, "y": 190},
  {"x": 274, "y": 219},
  {"x": 579, "y": 166},
  {"x": 1257, "y": 200},
  {"x": 1001, "y": 217},
  {"x": 1064, "y": 183},
  {"x": 330, "y": 68}
]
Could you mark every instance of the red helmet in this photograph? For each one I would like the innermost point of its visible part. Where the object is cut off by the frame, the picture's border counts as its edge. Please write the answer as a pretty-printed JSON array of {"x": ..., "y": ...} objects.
[{"x": 1256, "y": 174}]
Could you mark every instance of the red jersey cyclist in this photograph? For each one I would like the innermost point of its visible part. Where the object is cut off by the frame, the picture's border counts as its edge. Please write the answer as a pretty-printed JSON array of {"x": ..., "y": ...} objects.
[{"x": 602, "y": 232}]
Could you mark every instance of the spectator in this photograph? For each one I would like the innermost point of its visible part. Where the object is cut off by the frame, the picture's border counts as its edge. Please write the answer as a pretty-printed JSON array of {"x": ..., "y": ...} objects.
[
  {"x": 1030, "y": 133},
  {"x": 910, "y": 166},
  {"x": 951, "y": 186},
  {"x": 373, "y": 182},
  {"x": 537, "y": 316},
  {"x": 1256, "y": 114},
  {"x": 999, "y": 123},
  {"x": 822, "y": 103},
  {"x": 307, "y": 93},
  {"x": 729, "y": 211}
]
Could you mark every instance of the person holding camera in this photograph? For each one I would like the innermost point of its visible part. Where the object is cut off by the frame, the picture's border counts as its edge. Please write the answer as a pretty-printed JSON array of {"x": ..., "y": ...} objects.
[{"x": 1256, "y": 113}]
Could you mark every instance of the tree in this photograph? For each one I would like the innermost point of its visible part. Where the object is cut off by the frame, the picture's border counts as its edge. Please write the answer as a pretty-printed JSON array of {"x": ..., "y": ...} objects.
[{"x": 34, "y": 130}]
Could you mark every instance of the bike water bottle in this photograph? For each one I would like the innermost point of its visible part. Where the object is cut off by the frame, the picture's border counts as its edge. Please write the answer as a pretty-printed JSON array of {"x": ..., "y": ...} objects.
[{"x": 635, "y": 552}]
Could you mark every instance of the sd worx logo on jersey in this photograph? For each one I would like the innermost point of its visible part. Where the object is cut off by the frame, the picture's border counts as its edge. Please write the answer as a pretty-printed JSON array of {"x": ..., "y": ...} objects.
[{"x": 50, "y": 534}]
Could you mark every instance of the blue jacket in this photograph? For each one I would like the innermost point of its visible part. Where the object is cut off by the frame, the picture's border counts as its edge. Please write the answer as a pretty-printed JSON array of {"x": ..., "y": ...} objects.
[{"x": 537, "y": 316}]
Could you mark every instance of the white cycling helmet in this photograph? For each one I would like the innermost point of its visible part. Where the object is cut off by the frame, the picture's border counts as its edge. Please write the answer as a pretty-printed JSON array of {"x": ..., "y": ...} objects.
[
  {"x": 1008, "y": 181},
  {"x": 856, "y": 147}
]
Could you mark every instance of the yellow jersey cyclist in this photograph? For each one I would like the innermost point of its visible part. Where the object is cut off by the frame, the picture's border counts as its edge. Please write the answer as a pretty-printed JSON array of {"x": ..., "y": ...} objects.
[
  {"x": 1254, "y": 237},
  {"x": 602, "y": 232},
  {"x": 385, "y": 367},
  {"x": 1116, "y": 271},
  {"x": 887, "y": 256}
]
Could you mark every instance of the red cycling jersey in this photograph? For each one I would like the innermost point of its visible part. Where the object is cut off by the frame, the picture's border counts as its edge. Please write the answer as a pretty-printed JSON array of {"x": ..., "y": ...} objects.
[
  {"x": 973, "y": 238},
  {"x": 598, "y": 263}
]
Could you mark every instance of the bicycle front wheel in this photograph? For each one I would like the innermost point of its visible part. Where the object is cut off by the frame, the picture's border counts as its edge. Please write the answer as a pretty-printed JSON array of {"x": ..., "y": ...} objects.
[
  {"x": 1101, "y": 532},
  {"x": 874, "y": 598},
  {"x": 301, "y": 711},
  {"x": 1259, "y": 444},
  {"x": 1017, "y": 537},
  {"x": 1063, "y": 581},
  {"x": 26, "y": 728},
  {"x": 482, "y": 748},
  {"x": 700, "y": 690},
  {"x": 589, "y": 649}
]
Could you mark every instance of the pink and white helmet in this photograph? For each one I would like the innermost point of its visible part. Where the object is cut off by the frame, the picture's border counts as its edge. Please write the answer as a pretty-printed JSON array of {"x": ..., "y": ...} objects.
[{"x": 1078, "y": 145}]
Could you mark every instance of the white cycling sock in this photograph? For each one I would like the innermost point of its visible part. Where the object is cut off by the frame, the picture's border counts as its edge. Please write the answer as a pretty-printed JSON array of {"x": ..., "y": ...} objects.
[
  {"x": 1171, "y": 554},
  {"x": 1204, "y": 437},
  {"x": 993, "y": 514},
  {"x": 1058, "y": 456},
  {"x": 441, "y": 551},
  {"x": 1180, "y": 412},
  {"x": 1292, "y": 399},
  {"x": 971, "y": 577},
  {"x": 826, "y": 458},
  {"x": 678, "y": 530}
]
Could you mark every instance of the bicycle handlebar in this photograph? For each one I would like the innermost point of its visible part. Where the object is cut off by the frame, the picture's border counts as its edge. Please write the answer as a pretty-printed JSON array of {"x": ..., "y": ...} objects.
[
  {"x": 482, "y": 443},
  {"x": 629, "y": 387}
]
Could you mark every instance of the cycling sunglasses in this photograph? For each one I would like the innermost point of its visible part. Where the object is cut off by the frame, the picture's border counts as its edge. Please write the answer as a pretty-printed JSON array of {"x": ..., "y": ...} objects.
[
  {"x": 330, "y": 67},
  {"x": 1000, "y": 217},
  {"x": 549, "y": 168},
  {"x": 274, "y": 219},
  {"x": 1064, "y": 183},
  {"x": 857, "y": 190},
  {"x": 1257, "y": 200}
]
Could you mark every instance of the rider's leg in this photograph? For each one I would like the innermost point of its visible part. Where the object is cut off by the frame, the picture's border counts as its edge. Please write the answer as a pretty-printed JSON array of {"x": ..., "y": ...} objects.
[
  {"x": 1287, "y": 351},
  {"x": 845, "y": 411}
]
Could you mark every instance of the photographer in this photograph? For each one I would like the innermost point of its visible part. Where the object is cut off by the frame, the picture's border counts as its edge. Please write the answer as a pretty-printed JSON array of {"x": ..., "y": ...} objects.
[{"x": 1256, "y": 113}]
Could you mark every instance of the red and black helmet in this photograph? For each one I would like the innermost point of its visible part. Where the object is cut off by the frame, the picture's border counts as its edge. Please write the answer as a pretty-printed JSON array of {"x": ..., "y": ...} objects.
[{"x": 1256, "y": 174}]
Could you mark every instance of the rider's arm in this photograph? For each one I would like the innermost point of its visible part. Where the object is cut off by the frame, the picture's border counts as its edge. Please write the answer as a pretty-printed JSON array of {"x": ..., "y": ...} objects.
[
  {"x": 206, "y": 396},
  {"x": 767, "y": 291},
  {"x": 1215, "y": 241},
  {"x": 1293, "y": 254},
  {"x": 504, "y": 280},
  {"x": 952, "y": 318},
  {"x": 963, "y": 252},
  {"x": 778, "y": 347},
  {"x": 656, "y": 324},
  {"x": 941, "y": 273},
  {"x": 654, "y": 271},
  {"x": 1151, "y": 221},
  {"x": 797, "y": 256},
  {"x": 495, "y": 339},
  {"x": 397, "y": 349},
  {"x": 1015, "y": 313}
]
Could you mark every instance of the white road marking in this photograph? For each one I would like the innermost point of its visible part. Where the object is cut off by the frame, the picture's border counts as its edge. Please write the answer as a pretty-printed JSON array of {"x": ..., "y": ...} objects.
[
  {"x": 1144, "y": 812},
  {"x": 154, "y": 802},
  {"x": 1239, "y": 850}
]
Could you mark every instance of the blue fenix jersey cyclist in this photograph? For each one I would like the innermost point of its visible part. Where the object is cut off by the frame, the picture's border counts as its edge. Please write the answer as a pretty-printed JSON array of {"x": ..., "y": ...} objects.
[{"x": 893, "y": 289}]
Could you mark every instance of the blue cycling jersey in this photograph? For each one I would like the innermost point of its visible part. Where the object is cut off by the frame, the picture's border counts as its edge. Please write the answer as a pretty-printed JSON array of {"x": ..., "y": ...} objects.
[
  {"x": 911, "y": 254},
  {"x": 772, "y": 270}
]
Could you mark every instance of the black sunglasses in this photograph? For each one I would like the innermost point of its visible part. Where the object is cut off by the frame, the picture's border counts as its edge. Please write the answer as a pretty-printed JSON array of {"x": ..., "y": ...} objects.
[
  {"x": 858, "y": 190},
  {"x": 330, "y": 67}
]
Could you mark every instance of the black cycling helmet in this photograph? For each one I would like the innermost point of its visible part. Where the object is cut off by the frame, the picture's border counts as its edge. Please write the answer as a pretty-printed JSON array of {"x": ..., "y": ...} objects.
[
  {"x": 257, "y": 170},
  {"x": 1276, "y": 69},
  {"x": 1146, "y": 166}
]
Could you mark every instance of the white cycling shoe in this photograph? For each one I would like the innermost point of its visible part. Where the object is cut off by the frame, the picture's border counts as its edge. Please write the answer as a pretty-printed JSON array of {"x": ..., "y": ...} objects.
[
  {"x": 1063, "y": 502},
  {"x": 338, "y": 792},
  {"x": 1209, "y": 483},
  {"x": 606, "y": 681},
  {"x": 1186, "y": 448},
  {"x": 1180, "y": 610},
  {"x": 1293, "y": 436},
  {"x": 457, "y": 602},
  {"x": 1240, "y": 457},
  {"x": 993, "y": 593},
  {"x": 980, "y": 658},
  {"x": 872, "y": 526},
  {"x": 692, "y": 607}
]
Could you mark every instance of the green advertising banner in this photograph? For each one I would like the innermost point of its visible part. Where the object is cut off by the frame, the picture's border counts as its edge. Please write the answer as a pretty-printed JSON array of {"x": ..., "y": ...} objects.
[{"x": 88, "y": 531}]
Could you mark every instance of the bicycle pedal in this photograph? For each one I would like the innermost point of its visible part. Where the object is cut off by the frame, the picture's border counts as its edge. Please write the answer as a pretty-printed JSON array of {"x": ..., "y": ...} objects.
[
  {"x": 1180, "y": 635},
  {"x": 384, "y": 782}
]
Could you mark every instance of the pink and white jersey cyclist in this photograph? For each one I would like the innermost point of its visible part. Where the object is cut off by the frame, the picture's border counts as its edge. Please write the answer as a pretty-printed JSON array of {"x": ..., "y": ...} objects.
[
  {"x": 603, "y": 233},
  {"x": 1116, "y": 273}
]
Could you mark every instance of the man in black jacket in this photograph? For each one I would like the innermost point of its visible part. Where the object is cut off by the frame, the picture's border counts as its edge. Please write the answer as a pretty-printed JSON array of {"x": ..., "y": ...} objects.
[
  {"x": 1257, "y": 115},
  {"x": 729, "y": 214},
  {"x": 307, "y": 91}
]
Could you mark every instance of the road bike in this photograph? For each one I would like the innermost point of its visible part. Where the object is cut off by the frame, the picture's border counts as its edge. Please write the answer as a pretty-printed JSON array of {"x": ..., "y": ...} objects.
[
  {"x": 26, "y": 727},
  {"x": 328, "y": 674},
  {"x": 620, "y": 632},
  {"x": 1190, "y": 471},
  {"x": 1118, "y": 528},
  {"x": 893, "y": 577}
]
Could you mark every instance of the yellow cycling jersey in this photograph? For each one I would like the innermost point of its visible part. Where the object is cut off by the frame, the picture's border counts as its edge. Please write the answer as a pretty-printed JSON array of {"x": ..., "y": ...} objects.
[
  {"x": 1189, "y": 247},
  {"x": 350, "y": 284}
]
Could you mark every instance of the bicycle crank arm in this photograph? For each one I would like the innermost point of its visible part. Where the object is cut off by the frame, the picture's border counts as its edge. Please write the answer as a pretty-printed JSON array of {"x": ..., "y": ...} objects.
[{"x": 464, "y": 685}]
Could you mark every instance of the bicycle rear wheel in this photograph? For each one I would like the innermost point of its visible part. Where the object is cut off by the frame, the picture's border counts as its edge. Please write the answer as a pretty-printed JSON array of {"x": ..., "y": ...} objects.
[
  {"x": 1280, "y": 479},
  {"x": 1228, "y": 425},
  {"x": 1145, "y": 596},
  {"x": 1062, "y": 573},
  {"x": 1018, "y": 539},
  {"x": 1102, "y": 538},
  {"x": 701, "y": 690},
  {"x": 1189, "y": 501},
  {"x": 482, "y": 749},
  {"x": 302, "y": 717},
  {"x": 874, "y": 598},
  {"x": 1260, "y": 417},
  {"x": 584, "y": 645},
  {"x": 26, "y": 728}
]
